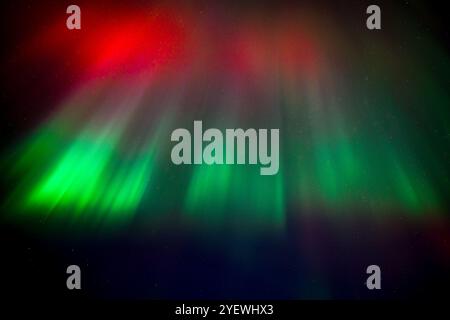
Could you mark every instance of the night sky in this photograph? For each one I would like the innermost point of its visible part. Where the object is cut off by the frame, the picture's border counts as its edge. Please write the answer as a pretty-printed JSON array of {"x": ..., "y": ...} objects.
[{"x": 87, "y": 178}]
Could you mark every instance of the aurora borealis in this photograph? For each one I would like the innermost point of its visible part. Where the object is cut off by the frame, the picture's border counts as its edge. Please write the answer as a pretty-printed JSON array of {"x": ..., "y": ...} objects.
[{"x": 363, "y": 118}]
